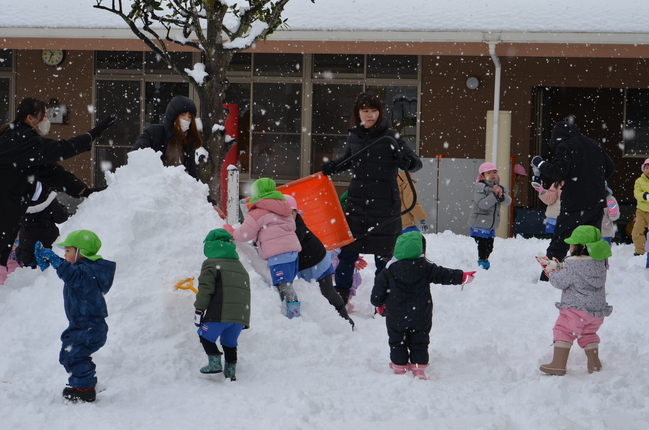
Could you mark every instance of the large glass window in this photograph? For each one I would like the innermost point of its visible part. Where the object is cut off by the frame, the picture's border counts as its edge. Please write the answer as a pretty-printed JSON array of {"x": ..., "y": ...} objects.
[
  {"x": 5, "y": 97},
  {"x": 6, "y": 59},
  {"x": 285, "y": 65},
  {"x": 636, "y": 123}
]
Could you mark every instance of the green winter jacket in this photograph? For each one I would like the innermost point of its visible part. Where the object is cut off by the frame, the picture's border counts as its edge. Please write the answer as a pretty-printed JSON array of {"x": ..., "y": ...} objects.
[
  {"x": 641, "y": 187},
  {"x": 224, "y": 291}
]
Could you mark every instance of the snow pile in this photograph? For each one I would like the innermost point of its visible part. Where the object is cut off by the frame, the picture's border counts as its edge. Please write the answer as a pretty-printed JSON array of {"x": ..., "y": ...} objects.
[{"x": 312, "y": 372}]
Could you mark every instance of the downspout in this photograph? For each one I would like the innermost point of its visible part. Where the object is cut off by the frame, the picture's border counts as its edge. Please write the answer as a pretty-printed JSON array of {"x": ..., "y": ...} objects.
[{"x": 496, "y": 60}]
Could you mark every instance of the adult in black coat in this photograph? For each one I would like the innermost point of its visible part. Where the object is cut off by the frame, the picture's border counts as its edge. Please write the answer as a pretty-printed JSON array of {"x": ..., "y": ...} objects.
[
  {"x": 27, "y": 158},
  {"x": 373, "y": 203},
  {"x": 177, "y": 138},
  {"x": 584, "y": 166}
]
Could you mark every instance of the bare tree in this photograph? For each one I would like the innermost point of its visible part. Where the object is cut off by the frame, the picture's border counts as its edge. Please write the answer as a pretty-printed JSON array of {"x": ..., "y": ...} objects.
[{"x": 216, "y": 28}]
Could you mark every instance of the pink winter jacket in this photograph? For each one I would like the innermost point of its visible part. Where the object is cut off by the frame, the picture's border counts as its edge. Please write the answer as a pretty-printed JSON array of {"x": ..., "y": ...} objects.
[
  {"x": 552, "y": 198},
  {"x": 270, "y": 224}
]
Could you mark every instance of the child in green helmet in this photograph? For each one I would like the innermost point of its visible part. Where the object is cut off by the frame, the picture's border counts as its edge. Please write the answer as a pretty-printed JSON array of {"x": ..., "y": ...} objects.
[
  {"x": 87, "y": 278},
  {"x": 583, "y": 306}
]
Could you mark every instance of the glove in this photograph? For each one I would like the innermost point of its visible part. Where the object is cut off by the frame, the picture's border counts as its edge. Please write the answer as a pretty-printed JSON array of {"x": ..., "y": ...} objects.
[
  {"x": 87, "y": 191},
  {"x": 228, "y": 228},
  {"x": 404, "y": 161},
  {"x": 537, "y": 184},
  {"x": 613, "y": 208},
  {"x": 329, "y": 168},
  {"x": 380, "y": 310},
  {"x": 46, "y": 257},
  {"x": 423, "y": 227},
  {"x": 548, "y": 265},
  {"x": 102, "y": 126},
  {"x": 198, "y": 315},
  {"x": 468, "y": 277},
  {"x": 360, "y": 264},
  {"x": 536, "y": 163}
]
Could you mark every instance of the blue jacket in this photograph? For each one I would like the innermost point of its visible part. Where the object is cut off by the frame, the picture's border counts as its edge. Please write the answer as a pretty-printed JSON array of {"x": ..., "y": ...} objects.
[{"x": 86, "y": 282}]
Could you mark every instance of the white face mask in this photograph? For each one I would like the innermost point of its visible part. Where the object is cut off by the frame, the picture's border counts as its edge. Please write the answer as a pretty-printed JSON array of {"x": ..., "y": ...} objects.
[
  {"x": 184, "y": 124},
  {"x": 44, "y": 127}
]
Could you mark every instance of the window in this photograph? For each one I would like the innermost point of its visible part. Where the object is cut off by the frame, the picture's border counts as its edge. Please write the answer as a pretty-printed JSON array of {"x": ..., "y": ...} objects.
[
  {"x": 636, "y": 123},
  {"x": 6, "y": 87}
]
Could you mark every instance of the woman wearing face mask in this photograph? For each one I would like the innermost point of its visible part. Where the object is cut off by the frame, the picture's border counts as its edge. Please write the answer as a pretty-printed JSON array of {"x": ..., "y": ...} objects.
[
  {"x": 177, "y": 138},
  {"x": 29, "y": 162}
]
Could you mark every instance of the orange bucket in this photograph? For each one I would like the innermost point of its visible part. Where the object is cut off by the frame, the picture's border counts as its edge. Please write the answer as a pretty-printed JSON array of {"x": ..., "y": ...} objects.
[{"x": 316, "y": 196}]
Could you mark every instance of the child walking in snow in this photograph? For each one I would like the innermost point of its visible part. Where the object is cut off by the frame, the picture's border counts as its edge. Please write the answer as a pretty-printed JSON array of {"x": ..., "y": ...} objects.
[
  {"x": 314, "y": 262},
  {"x": 611, "y": 214},
  {"x": 582, "y": 309},
  {"x": 641, "y": 193},
  {"x": 222, "y": 302},
  {"x": 87, "y": 278},
  {"x": 269, "y": 223},
  {"x": 484, "y": 219},
  {"x": 404, "y": 288}
]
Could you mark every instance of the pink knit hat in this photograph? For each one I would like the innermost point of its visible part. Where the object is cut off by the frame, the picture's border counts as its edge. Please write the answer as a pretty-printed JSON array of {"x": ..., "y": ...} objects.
[
  {"x": 291, "y": 201},
  {"x": 643, "y": 164},
  {"x": 520, "y": 170}
]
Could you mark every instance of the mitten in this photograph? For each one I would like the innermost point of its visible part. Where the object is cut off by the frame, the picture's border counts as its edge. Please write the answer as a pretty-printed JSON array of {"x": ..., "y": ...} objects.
[
  {"x": 198, "y": 315},
  {"x": 380, "y": 310},
  {"x": 542, "y": 259},
  {"x": 102, "y": 126},
  {"x": 403, "y": 160},
  {"x": 423, "y": 227},
  {"x": 536, "y": 162},
  {"x": 87, "y": 191},
  {"x": 613, "y": 208},
  {"x": 360, "y": 264},
  {"x": 228, "y": 228},
  {"x": 46, "y": 257},
  {"x": 468, "y": 277},
  {"x": 537, "y": 184},
  {"x": 40, "y": 261},
  {"x": 329, "y": 168}
]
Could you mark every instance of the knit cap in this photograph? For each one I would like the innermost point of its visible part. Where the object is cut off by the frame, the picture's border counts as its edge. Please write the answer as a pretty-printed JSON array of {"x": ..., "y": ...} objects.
[
  {"x": 264, "y": 188},
  {"x": 409, "y": 246},
  {"x": 590, "y": 236},
  {"x": 218, "y": 244},
  {"x": 85, "y": 241}
]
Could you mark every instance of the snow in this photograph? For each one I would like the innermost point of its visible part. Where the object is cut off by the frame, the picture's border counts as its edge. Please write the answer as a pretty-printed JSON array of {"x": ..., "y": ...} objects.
[
  {"x": 576, "y": 16},
  {"x": 198, "y": 73},
  {"x": 312, "y": 372}
]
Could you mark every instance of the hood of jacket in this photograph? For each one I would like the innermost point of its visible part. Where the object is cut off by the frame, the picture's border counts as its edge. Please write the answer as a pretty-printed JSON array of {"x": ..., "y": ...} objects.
[
  {"x": 279, "y": 207},
  {"x": 409, "y": 246},
  {"x": 561, "y": 132},
  {"x": 218, "y": 244},
  {"x": 176, "y": 106}
]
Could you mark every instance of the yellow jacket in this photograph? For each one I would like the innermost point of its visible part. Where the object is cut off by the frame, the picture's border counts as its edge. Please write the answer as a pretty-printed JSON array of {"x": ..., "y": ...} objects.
[
  {"x": 641, "y": 187},
  {"x": 417, "y": 213}
]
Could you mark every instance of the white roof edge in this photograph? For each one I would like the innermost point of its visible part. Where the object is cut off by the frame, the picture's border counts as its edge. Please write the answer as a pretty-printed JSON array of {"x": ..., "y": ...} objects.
[{"x": 360, "y": 36}]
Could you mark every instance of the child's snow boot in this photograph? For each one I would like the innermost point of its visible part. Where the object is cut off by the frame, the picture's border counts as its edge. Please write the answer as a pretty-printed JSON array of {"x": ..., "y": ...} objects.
[
  {"x": 592, "y": 352},
  {"x": 418, "y": 370},
  {"x": 230, "y": 371},
  {"x": 559, "y": 361},
  {"x": 293, "y": 309},
  {"x": 214, "y": 365},
  {"x": 484, "y": 264},
  {"x": 287, "y": 292},
  {"x": 78, "y": 394},
  {"x": 398, "y": 369}
]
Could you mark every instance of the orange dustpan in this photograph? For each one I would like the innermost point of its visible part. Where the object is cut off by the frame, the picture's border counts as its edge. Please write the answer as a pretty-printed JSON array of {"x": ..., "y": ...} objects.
[{"x": 316, "y": 196}]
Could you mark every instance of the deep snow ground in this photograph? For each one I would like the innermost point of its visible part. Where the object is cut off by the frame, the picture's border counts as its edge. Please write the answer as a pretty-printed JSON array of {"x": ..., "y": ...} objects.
[{"x": 313, "y": 372}]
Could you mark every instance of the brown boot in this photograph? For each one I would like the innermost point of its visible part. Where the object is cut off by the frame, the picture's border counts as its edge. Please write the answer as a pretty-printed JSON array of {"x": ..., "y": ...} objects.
[
  {"x": 592, "y": 352},
  {"x": 558, "y": 364}
]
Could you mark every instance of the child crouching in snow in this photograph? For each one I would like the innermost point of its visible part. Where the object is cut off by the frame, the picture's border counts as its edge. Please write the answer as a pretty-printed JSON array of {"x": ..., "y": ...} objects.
[
  {"x": 87, "y": 278},
  {"x": 269, "y": 222},
  {"x": 582, "y": 277},
  {"x": 222, "y": 302},
  {"x": 404, "y": 288}
]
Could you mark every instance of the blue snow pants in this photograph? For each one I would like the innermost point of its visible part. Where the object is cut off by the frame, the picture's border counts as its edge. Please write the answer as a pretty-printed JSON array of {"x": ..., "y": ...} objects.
[{"x": 78, "y": 342}]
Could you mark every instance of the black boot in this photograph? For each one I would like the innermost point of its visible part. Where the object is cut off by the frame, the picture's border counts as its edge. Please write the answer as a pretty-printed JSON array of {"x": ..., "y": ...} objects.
[
  {"x": 344, "y": 293},
  {"x": 76, "y": 394}
]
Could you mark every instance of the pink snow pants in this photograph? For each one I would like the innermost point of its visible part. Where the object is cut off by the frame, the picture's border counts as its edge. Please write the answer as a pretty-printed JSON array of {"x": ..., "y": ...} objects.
[{"x": 573, "y": 324}]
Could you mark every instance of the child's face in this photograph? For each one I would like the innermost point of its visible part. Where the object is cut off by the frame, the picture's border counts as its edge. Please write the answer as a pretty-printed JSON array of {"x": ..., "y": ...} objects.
[
  {"x": 645, "y": 169},
  {"x": 70, "y": 254},
  {"x": 490, "y": 176},
  {"x": 368, "y": 116}
]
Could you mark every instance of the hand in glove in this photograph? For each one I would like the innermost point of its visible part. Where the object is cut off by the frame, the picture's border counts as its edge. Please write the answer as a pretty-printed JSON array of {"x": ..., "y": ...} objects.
[
  {"x": 46, "y": 257},
  {"x": 380, "y": 310},
  {"x": 228, "y": 228},
  {"x": 537, "y": 184},
  {"x": 198, "y": 315},
  {"x": 102, "y": 126},
  {"x": 468, "y": 277},
  {"x": 360, "y": 264},
  {"x": 536, "y": 163},
  {"x": 87, "y": 191},
  {"x": 548, "y": 265},
  {"x": 329, "y": 168},
  {"x": 613, "y": 208},
  {"x": 423, "y": 227},
  {"x": 646, "y": 196},
  {"x": 404, "y": 161}
]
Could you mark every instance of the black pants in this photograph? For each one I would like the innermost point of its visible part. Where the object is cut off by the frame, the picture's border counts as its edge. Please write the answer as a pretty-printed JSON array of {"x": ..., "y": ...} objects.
[
  {"x": 210, "y": 348},
  {"x": 345, "y": 270},
  {"x": 567, "y": 222},
  {"x": 485, "y": 247},
  {"x": 409, "y": 345}
]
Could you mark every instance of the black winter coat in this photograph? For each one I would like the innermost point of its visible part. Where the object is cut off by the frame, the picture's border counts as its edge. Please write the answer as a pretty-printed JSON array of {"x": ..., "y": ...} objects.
[
  {"x": 313, "y": 251},
  {"x": 373, "y": 195},
  {"x": 39, "y": 224},
  {"x": 158, "y": 136},
  {"x": 25, "y": 159},
  {"x": 404, "y": 287},
  {"x": 583, "y": 165}
]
